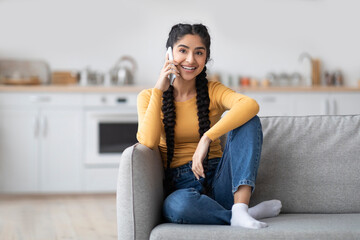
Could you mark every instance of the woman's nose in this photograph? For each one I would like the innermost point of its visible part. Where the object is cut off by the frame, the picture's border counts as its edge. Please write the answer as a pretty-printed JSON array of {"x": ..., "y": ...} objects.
[{"x": 190, "y": 58}]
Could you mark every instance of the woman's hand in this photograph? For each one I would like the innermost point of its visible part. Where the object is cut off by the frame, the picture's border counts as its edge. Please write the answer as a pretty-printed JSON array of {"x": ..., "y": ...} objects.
[
  {"x": 199, "y": 156},
  {"x": 169, "y": 67}
]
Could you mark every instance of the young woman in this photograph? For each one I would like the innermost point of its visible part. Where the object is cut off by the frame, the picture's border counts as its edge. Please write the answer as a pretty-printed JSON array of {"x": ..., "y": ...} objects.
[{"x": 203, "y": 184}]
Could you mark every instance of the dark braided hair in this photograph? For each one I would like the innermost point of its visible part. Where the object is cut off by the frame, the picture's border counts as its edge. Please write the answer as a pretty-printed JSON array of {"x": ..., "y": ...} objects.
[{"x": 202, "y": 94}]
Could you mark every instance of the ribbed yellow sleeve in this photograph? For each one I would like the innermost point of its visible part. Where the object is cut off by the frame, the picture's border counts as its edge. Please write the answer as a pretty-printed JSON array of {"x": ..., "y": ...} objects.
[
  {"x": 241, "y": 109},
  {"x": 149, "y": 118}
]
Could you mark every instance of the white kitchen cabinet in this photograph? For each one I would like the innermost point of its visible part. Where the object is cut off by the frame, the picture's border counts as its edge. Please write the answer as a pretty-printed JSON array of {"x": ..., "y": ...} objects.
[
  {"x": 40, "y": 142},
  {"x": 60, "y": 150},
  {"x": 331, "y": 103},
  {"x": 306, "y": 103},
  {"x": 345, "y": 103},
  {"x": 274, "y": 104},
  {"x": 311, "y": 104},
  {"x": 19, "y": 163}
]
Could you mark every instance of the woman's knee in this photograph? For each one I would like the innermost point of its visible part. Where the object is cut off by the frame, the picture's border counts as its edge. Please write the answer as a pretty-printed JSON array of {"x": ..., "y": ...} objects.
[
  {"x": 254, "y": 122},
  {"x": 253, "y": 125},
  {"x": 178, "y": 205}
]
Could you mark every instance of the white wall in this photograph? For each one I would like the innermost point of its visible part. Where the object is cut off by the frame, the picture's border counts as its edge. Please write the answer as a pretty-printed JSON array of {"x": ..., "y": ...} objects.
[{"x": 250, "y": 37}]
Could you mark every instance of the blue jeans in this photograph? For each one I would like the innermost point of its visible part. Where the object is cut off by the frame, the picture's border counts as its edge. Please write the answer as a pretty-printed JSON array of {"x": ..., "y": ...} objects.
[{"x": 238, "y": 166}]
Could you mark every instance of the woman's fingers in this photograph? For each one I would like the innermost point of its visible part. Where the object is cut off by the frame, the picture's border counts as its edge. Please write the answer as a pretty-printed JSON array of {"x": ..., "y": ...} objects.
[
  {"x": 198, "y": 170},
  {"x": 171, "y": 69}
]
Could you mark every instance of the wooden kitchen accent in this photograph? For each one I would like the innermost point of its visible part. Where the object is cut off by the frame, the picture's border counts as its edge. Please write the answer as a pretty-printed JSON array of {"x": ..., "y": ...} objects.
[{"x": 136, "y": 88}]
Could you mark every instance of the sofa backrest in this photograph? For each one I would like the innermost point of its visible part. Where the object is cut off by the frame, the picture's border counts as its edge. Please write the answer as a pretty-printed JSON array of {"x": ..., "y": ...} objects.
[{"x": 311, "y": 164}]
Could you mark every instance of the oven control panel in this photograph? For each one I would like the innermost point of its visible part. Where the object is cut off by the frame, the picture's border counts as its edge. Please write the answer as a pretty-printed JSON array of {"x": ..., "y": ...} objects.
[{"x": 111, "y": 100}]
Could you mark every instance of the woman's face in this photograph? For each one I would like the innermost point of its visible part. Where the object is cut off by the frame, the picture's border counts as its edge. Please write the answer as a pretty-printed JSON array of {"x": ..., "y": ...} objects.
[{"x": 190, "y": 53}]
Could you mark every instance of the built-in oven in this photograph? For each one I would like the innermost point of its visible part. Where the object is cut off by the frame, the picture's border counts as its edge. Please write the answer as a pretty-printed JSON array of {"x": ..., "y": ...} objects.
[{"x": 110, "y": 127}]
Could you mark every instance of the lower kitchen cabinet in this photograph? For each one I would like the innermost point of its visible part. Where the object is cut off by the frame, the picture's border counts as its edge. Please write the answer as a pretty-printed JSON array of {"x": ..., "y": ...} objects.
[
  {"x": 40, "y": 145},
  {"x": 345, "y": 103},
  {"x": 306, "y": 103},
  {"x": 19, "y": 151},
  {"x": 60, "y": 150},
  {"x": 279, "y": 104},
  {"x": 311, "y": 104}
]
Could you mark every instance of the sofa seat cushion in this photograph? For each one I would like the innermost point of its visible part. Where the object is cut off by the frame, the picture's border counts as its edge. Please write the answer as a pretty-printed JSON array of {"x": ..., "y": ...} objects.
[{"x": 285, "y": 226}]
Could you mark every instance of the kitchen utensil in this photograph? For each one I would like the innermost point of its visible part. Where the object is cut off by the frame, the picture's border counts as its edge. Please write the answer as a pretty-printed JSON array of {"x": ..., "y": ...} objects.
[{"x": 123, "y": 71}]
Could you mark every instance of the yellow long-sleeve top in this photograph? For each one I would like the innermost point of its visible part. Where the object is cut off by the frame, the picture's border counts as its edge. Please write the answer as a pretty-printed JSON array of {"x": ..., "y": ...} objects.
[{"x": 151, "y": 128}]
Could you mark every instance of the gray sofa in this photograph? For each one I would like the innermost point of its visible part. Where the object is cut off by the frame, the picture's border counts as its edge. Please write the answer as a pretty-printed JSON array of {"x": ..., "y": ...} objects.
[{"x": 312, "y": 164}]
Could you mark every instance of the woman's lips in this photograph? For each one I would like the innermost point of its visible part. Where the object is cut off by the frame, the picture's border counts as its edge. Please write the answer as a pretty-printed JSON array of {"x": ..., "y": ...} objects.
[{"x": 188, "y": 68}]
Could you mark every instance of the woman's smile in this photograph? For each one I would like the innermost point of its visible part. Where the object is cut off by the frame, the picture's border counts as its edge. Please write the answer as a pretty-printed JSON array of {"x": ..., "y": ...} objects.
[{"x": 188, "y": 68}]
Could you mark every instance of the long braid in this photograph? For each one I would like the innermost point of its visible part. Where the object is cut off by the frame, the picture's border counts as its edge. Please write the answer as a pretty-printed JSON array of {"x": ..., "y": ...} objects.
[
  {"x": 203, "y": 102},
  {"x": 168, "y": 109}
]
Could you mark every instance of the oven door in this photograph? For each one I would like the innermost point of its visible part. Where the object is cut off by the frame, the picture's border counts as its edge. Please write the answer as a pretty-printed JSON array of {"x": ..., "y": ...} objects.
[{"x": 107, "y": 135}]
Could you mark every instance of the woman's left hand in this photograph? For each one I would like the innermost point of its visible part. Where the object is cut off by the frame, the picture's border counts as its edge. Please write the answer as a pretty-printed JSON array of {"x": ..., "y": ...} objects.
[{"x": 199, "y": 156}]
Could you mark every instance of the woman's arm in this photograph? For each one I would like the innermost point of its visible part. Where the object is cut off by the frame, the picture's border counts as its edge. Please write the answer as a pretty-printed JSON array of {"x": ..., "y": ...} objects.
[
  {"x": 241, "y": 109},
  {"x": 149, "y": 107},
  {"x": 149, "y": 122}
]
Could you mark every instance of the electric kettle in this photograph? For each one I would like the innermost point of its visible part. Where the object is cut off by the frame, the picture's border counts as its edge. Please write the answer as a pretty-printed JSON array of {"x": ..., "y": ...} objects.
[{"x": 123, "y": 71}]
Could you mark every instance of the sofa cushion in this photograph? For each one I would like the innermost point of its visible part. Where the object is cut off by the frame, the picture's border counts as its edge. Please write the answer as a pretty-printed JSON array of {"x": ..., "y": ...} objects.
[
  {"x": 312, "y": 164},
  {"x": 285, "y": 226}
]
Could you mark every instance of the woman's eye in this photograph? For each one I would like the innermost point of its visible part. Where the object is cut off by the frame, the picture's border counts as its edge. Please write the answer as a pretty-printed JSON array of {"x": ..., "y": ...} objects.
[
  {"x": 199, "y": 53},
  {"x": 182, "y": 50}
]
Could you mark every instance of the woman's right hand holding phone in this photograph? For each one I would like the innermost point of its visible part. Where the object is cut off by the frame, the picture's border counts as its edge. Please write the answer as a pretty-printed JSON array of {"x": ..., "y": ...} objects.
[{"x": 169, "y": 67}]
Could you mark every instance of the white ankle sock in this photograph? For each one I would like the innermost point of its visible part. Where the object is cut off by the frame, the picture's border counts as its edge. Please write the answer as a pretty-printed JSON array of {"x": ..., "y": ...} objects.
[
  {"x": 266, "y": 209},
  {"x": 240, "y": 217}
]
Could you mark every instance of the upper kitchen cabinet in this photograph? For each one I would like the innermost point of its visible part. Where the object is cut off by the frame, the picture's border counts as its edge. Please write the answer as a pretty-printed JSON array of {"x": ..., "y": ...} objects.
[{"x": 40, "y": 142}]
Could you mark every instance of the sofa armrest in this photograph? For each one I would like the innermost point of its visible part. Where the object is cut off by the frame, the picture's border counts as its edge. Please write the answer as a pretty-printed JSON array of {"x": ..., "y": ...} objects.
[{"x": 139, "y": 192}]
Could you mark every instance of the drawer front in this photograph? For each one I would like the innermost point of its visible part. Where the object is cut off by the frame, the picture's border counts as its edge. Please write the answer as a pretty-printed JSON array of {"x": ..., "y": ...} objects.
[{"x": 40, "y": 99}]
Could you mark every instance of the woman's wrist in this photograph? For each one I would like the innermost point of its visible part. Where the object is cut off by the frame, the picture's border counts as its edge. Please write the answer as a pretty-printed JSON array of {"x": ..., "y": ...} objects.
[
  {"x": 206, "y": 139},
  {"x": 160, "y": 86}
]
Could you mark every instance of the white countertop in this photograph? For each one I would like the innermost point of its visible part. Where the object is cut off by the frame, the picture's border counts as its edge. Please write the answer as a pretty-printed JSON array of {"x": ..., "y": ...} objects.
[{"x": 137, "y": 88}]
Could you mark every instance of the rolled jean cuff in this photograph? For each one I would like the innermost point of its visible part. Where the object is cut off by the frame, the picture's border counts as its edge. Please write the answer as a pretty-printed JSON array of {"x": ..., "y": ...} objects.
[{"x": 244, "y": 182}]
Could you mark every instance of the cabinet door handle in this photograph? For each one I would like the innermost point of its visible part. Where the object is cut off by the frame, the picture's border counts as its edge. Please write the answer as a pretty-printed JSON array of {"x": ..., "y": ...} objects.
[
  {"x": 269, "y": 99},
  {"x": 326, "y": 107},
  {"x": 334, "y": 107},
  {"x": 45, "y": 126},
  {"x": 36, "y": 126}
]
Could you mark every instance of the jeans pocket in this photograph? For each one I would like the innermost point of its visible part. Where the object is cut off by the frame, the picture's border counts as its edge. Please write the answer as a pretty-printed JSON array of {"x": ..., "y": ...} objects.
[{"x": 184, "y": 179}]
